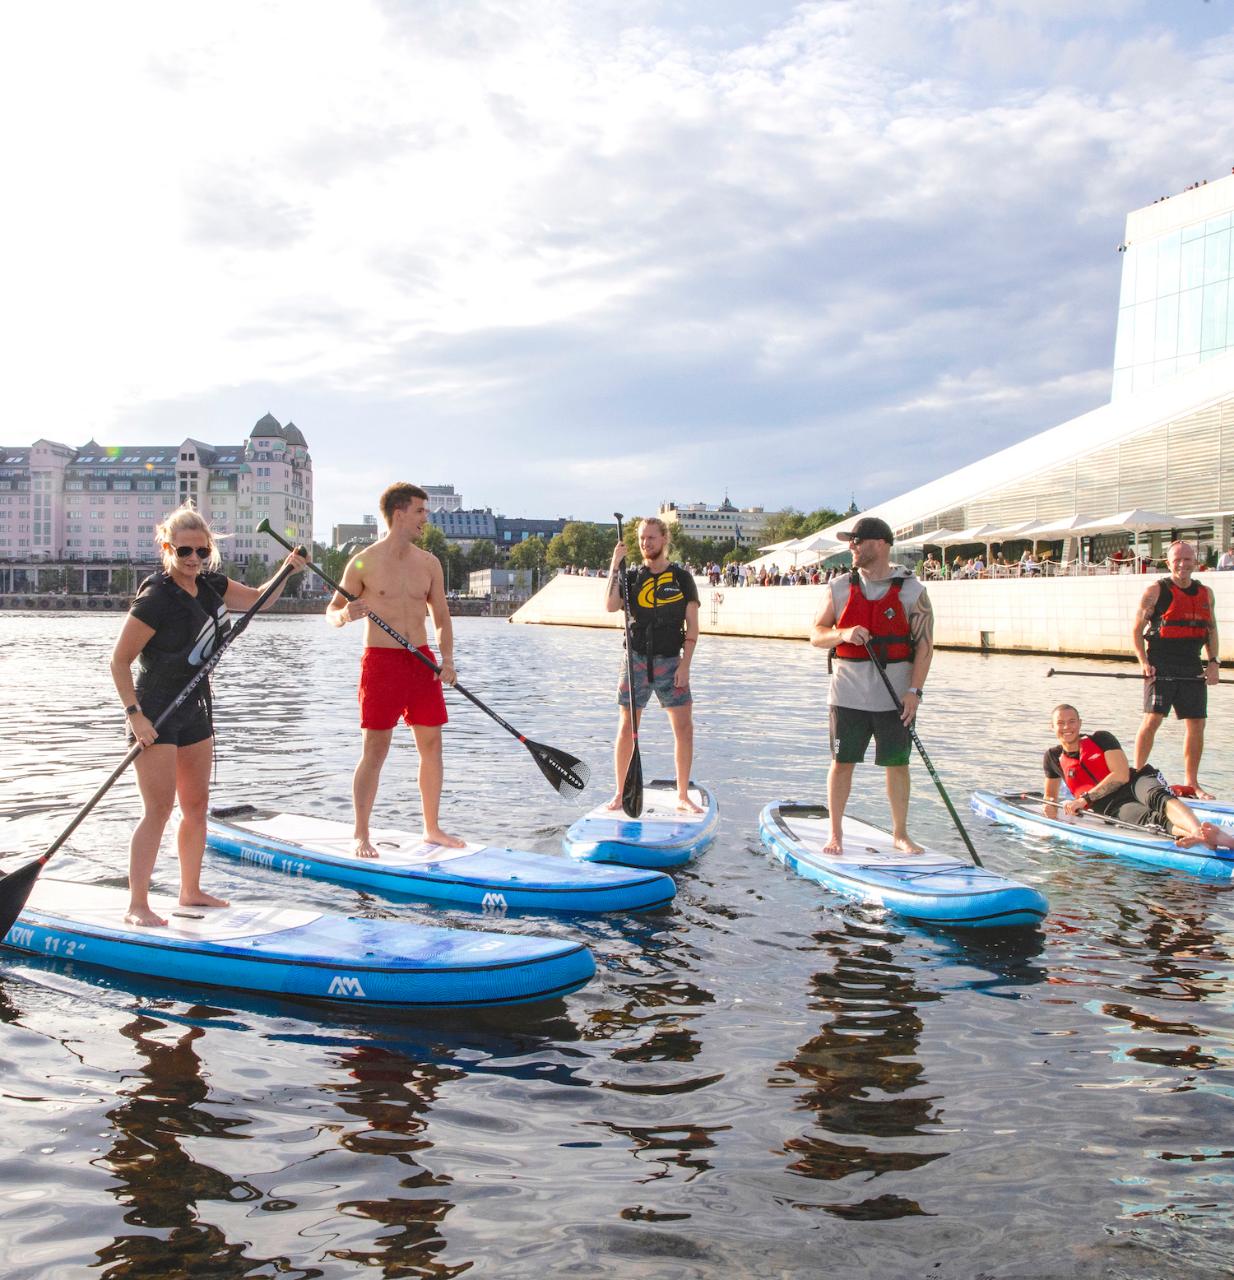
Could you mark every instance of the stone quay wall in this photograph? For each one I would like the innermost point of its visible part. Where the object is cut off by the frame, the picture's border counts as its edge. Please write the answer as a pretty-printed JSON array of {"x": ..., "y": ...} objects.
[{"x": 1089, "y": 616}]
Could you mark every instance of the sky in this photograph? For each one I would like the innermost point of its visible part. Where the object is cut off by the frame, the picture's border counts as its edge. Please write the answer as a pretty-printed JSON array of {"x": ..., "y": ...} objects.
[{"x": 578, "y": 257}]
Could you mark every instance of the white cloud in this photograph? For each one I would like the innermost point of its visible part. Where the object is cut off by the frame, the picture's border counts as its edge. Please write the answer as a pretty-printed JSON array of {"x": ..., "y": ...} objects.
[{"x": 736, "y": 227}]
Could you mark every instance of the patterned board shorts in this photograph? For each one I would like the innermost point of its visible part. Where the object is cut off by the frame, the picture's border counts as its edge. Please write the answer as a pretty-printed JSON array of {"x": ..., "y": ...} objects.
[{"x": 663, "y": 671}]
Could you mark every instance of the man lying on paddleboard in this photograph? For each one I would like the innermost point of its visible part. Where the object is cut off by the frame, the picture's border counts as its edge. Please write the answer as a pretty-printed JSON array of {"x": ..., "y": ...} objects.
[{"x": 1096, "y": 771}]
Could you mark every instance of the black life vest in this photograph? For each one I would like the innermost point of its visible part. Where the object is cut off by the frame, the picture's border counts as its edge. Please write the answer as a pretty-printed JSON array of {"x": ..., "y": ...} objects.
[{"x": 163, "y": 673}]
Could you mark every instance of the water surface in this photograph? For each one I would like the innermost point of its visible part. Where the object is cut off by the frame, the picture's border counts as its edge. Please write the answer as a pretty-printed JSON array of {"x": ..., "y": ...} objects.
[{"x": 761, "y": 1081}]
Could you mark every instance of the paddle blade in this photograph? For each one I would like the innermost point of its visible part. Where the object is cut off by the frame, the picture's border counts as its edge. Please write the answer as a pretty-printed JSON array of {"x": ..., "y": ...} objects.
[
  {"x": 14, "y": 890},
  {"x": 563, "y": 771},
  {"x": 632, "y": 788}
]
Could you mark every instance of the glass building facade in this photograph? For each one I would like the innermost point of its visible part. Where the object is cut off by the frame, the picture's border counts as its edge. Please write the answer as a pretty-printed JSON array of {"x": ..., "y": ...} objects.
[{"x": 1176, "y": 307}]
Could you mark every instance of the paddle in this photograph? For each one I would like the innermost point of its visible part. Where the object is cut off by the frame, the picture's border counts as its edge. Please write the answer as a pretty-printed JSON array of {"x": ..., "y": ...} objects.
[
  {"x": 1123, "y": 675},
  {"x": 559, "y": 767},
  {"x": 912, "y": 732},
  {"x": 16, "y": 886},
  {"x": 632, "y": 787}
]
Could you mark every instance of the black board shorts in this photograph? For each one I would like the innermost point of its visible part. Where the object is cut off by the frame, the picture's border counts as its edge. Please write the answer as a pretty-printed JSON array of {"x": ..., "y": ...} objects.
[
  {"x": 1187, "y": 696},
  {"x": 187, "y": 725},
  {"x": 852, "y": 729},
  {"x": 1141, "y": 800}
]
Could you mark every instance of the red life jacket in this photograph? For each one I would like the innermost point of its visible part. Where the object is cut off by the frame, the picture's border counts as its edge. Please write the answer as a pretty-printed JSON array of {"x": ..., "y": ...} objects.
[
  {"x": 1082, "y": 773},
  {"x": 1179, "y": 615},
  {"x": 885, "y": 620}
]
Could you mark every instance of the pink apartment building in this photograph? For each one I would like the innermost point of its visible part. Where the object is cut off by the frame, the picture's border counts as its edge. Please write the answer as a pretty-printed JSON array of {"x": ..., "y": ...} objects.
[{"x": 102, "y": 502}]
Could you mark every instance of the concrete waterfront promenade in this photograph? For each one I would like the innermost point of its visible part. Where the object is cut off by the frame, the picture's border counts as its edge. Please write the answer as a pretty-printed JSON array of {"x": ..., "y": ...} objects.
[{"x": 1090, "y": 616}]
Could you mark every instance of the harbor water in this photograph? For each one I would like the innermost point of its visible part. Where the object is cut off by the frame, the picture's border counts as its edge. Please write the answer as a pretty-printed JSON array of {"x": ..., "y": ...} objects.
[{"x": 762, "y": 1080}]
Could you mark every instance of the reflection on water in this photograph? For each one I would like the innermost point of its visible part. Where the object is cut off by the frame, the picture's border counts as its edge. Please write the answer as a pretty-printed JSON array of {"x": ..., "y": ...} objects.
[{"x": 762, "y": 1080}]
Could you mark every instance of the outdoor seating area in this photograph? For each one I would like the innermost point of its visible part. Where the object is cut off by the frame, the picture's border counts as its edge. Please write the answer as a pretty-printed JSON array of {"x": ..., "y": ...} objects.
[{"x": 1074, "y": 533}]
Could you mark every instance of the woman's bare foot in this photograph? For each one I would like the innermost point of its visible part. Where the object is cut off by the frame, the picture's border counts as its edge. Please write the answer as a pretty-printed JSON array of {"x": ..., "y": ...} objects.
[
  {"x": 835, "y": 844},
  {"x": 144, "y": 917},
  {"x": 906, "y": 845},
  {"x": 202, "y": 899},
  {"x": 1201, "y": 794},
  {"x": 686, "y": 805},
  {"x": 443, "y": 838},
  {"x": 614, "y": 803},
  {"x": 364, "y": 848}
]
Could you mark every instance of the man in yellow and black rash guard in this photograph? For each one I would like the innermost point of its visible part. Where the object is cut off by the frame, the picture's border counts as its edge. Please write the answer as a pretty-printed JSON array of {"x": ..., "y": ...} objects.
[{"x": 664, "y": 608}]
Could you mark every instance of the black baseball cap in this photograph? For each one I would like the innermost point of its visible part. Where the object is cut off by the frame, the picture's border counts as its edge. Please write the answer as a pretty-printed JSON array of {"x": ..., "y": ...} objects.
[{"x": 868, "y": 527}]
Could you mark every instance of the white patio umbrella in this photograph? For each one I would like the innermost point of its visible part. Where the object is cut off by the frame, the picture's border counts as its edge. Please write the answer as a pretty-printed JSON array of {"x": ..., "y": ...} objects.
[
  {"x": 779, "y": 546},
  {"x": 935, "y": 538},
  {"x": 1136, "y": 521},
  {"x": 1063, "y": 525}
]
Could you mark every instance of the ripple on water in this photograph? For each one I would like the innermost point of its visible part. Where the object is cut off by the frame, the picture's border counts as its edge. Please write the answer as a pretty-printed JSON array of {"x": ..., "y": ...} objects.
[{"x": 762, "y": 1080}]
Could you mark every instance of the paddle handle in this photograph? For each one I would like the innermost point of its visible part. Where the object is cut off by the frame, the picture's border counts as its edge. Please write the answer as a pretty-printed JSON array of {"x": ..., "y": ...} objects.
[{"x": 929, "y": 764}]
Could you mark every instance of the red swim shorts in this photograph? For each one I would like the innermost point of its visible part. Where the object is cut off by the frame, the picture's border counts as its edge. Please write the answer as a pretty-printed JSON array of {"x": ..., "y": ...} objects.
[{"x": 394, "y": 685}]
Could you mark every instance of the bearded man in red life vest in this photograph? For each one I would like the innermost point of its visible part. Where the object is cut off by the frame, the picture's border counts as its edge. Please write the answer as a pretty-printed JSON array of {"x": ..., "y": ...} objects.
[
  {"x": 1097, "y": 774},
  {"x": 1175, "y": 620},
  {"x": 884, "y": 605}
]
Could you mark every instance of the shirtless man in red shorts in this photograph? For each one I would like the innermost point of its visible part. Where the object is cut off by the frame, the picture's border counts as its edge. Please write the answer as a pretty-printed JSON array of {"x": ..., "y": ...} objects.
[{"x": 399, "y": 582}]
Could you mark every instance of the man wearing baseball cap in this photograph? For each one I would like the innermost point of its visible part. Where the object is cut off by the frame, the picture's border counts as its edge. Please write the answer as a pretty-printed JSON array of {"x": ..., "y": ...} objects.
[{"x": 884, "y": 606}]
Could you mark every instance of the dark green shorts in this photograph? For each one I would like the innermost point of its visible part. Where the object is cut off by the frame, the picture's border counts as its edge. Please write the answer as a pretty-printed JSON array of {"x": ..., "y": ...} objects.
[{"x": 851, "y": 731}]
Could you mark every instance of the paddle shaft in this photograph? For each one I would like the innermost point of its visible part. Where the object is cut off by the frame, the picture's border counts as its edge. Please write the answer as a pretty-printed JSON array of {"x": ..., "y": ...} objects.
[
  {"x": 207, "y": 666},
  {"x": 633, "y": 784},
  {"x": 912, "y": 732},
  {"x": 1123, "y": 675},
  {"x": 264, "y": 527}
]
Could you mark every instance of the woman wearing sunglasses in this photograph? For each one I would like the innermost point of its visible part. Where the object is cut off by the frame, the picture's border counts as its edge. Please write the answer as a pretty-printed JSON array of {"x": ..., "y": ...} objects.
[{"x": 176, "y": 622}]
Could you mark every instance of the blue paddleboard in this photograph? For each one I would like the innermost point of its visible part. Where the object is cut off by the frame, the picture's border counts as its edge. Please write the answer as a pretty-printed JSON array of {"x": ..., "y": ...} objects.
[
  {"x": 494, "y": 879},
  {"x": 1024, "y": 811},
  {"x": 290, "y": 952},
  {"x": 660, "y": 837},
  {"x": 929, "y": 887}
]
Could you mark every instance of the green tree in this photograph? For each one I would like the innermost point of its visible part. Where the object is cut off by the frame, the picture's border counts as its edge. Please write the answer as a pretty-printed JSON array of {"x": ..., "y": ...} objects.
[
  {"x": 583, "y": 545},
  {"x": 436, "y": 543},
  {"x": 255, "y": 571},
  {"x": 483, "y": 555},
  {"x": 457, "y": 571},
  {"x": 528, "y": 554}
]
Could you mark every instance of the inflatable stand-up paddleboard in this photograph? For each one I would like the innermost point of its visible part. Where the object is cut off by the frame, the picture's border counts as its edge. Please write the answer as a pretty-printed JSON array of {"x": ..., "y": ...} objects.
[
  {"x": 1025, "y": 811},
  {"x": 661, "y": 837},
  {"x": 285, "y": 951},
  {"x": 929, "y": 887},
  {"x": 494, "y": 879}
]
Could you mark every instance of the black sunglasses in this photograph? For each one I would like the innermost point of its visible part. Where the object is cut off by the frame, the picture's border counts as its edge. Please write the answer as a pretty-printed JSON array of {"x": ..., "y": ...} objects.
[{"x": 202, "y": 553}]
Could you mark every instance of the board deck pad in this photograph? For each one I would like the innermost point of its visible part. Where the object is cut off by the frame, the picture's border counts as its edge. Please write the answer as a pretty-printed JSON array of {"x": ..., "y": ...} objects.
[
  {"x": 290, "y": 952},
  {"x": 488, "y": 877},
  {"x": 930, "y": 886},
  {"x": 661, "y": 836},
  {"x": 1027, "y": 811}
]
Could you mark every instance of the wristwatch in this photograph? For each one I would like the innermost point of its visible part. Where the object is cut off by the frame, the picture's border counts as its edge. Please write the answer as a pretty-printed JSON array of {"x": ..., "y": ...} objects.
[
  {"x": 919, "y": 692},
  {"x": 132, "y": 710}
]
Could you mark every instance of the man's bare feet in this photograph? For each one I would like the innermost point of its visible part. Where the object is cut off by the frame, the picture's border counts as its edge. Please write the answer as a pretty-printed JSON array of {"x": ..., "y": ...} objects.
[
  {"x": 1211, "y": 836},
  {"x": 835, "y": 844},
  {"x": 906, "y": 845},
  {"x": 144, "y": 917},
  {"x": 1201, "y": 794},
  {"x": 444, "y": 838},
  {"x": 364, "y": 848},
  {"x": 686, "y": 805},
  {"x": 202, "y": 899}
]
